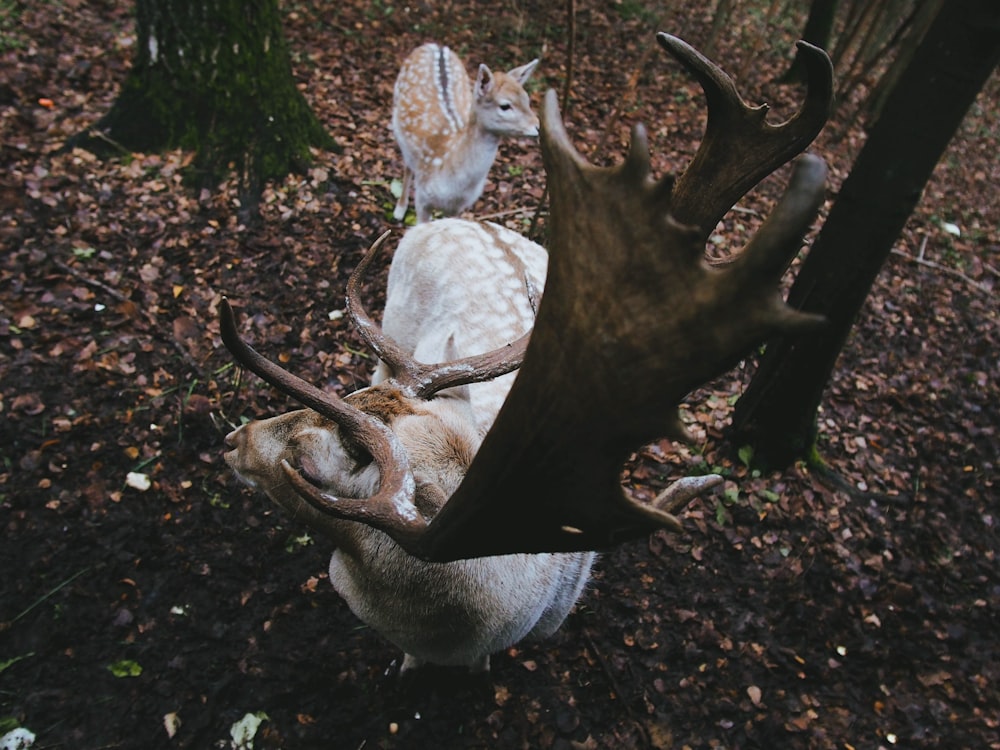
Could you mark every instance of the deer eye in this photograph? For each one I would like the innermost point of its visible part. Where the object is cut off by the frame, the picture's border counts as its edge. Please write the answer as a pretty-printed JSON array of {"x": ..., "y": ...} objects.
[
  {"x": 506, "y": 107},
  {"x": 358, "y": 454}
]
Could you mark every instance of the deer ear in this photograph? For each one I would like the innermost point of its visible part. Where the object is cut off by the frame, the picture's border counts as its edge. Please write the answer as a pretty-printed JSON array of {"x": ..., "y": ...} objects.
[
  {"x": 429, "y": 498},
  {"x": 450, "y": 354},
  {"x": 484, "y": 81},
  {"x": 523, "y": 73}
]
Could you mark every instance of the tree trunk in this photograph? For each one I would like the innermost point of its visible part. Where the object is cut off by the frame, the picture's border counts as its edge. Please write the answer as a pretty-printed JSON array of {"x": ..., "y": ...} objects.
[
  {"x": 924, "y": 15},
  {"x": 214, "y": 77},
  {"x": 776, "y": 416},
  {"x": 819, "y": 27},
  {"x": 720, "y": 20}
]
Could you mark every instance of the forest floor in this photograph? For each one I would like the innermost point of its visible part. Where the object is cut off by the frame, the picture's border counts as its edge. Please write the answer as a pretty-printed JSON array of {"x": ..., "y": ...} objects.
[{"x": 147, "y": 600}]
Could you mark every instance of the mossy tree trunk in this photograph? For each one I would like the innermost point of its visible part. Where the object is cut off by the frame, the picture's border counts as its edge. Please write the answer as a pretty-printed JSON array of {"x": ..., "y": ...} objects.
[
  {"x": 776, "y": 416},
  {"x": 214, "y": 77}
]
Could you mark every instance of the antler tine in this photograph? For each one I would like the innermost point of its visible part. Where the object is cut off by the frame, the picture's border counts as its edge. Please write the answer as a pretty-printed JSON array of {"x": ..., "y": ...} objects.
[
  {"x": 416, "y": 378},
  {"x": 392, "y": 506},
  {"x": 401, "y": 363},
  {"x": 392, "y": 513},
  {"x": 769, "y": 252},
  {"x": 291, "y": 385},
  {"x": 739, "y": 148}
]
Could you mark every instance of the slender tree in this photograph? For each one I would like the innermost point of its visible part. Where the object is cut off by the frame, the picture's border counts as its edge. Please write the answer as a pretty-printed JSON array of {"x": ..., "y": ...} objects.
[
  {"x": 923, "y": 16},
  {"x": 215, "y": 77},
  {"x": 776, "y": 416},
  {"x": 819, "y": 27}
]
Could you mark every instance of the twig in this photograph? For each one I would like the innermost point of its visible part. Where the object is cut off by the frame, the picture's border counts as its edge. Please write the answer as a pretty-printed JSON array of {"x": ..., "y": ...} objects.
[
  {"x": 41, "y": 600},
  {"x": 570, "y": 52},
  {"x": 606, "y": 668},
  {"x": 920, "y": 260},
  {"x": 615, "y": 688},
  {"x": 505, "y": 214},
  {"x": 83, "y": 278},
  {"x": 835, "y": 481},
  {"x": 102, "y": 136}
]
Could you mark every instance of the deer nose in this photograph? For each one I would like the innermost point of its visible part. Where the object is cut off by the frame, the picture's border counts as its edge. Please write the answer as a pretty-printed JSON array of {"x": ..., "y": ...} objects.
[{"x": 235, "y": 439}]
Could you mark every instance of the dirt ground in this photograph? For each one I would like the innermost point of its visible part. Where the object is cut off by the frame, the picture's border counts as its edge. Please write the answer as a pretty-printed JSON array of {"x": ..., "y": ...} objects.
[{"x": 797, "y": 611}]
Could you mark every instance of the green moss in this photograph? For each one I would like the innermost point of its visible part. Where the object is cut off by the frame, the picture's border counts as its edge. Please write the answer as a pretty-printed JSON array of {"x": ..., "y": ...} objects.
[
  {"x": 813, "y": 458},
  {"x": 220, "y": 86}
]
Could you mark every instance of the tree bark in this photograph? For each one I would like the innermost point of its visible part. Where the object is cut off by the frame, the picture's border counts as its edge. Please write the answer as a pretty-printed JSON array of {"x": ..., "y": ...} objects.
[
  {"x": 819, "y": 27},
  {"x": 776, "y": 416},
  {"x": 214, "y": 77},
  {"x": 923, "y": 16}
]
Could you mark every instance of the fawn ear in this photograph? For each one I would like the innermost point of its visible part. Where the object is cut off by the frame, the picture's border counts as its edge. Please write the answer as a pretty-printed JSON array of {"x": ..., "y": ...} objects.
[
  {"x": 484, "y": 81},
  {"x": 523, "y": 73}
]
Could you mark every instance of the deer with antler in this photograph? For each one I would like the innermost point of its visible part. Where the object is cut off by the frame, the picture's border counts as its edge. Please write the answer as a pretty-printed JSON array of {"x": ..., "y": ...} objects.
[{"x": 463, "y": 525}]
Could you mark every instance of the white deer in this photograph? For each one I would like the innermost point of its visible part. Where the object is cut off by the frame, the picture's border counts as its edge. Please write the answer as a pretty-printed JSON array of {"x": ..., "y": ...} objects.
[
  {"x": 455, "y": 289},
  {"x": 449, "y": 129},
  {"x": 431, "y": 519}
]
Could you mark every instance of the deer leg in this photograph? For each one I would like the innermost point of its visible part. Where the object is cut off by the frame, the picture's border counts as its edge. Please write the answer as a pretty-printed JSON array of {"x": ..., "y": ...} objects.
[
  {"x": 421, "y": 206},
  {"x": 399, "y": 213}
]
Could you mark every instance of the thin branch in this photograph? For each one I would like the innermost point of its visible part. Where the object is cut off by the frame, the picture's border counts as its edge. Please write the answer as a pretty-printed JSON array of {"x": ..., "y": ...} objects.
[
  {"x": 84, "y": 279},
  {"x": 570, "y": 52},
  {"x": 920, "y": 260},
  {"x": 524, "y": 211}
]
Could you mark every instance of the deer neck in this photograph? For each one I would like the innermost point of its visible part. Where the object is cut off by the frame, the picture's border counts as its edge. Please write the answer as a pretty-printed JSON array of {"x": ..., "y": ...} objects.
[{"x": 474, "y": 149}]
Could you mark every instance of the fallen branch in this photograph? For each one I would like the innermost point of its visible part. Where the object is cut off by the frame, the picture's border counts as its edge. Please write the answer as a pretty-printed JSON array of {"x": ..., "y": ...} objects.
[
  {"x": 508, "y": 213},
  {"x": 920, "y": 260}
]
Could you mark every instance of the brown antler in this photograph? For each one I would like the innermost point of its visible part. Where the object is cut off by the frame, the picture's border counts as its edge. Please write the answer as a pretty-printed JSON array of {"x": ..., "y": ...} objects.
[
  {"x": 739, "y": 148},
  {"x": 393, "y": 504},
  {"x": 392, "y": 507},
  {"x": 416, "y": 378},
  {"x": 632, "y": 319}
]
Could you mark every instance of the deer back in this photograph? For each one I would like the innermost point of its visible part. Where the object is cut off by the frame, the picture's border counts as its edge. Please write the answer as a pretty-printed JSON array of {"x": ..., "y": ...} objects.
[
  {"x": 432, "y": 102},
  {"x": 458, "y": 288}
]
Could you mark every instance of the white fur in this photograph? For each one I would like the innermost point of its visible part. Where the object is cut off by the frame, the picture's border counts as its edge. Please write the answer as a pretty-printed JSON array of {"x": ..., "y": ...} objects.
[{"x": 456, "y": 288}]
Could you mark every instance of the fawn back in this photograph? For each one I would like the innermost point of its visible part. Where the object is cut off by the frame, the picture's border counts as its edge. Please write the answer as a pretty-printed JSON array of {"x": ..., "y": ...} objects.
[{"x": 448, "y": 128}]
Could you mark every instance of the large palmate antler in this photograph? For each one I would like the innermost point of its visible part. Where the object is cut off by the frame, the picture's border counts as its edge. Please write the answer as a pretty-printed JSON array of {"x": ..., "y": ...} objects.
[
  {"x": 740, "y": 148},
  {"x": 632, "y": 319}
]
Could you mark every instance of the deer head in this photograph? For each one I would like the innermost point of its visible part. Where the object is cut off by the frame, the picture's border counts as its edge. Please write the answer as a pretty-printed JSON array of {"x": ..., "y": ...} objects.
[{"x": 632, "y": 319}]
